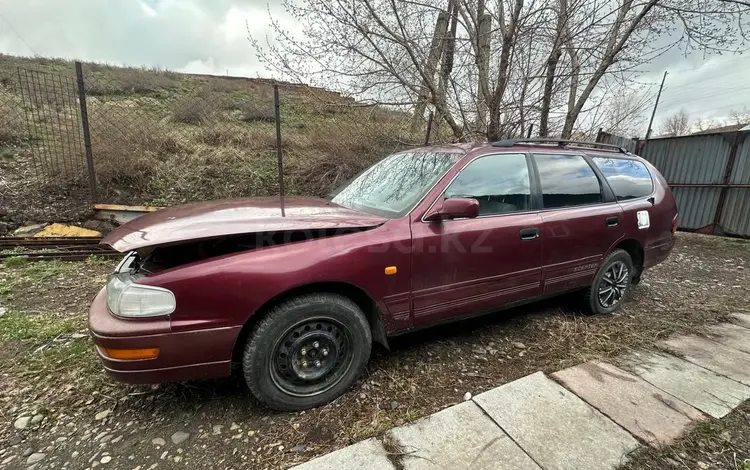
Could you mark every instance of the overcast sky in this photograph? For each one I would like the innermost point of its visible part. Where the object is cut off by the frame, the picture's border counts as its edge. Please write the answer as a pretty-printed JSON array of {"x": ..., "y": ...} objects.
[{"x": 209, "y": 36}]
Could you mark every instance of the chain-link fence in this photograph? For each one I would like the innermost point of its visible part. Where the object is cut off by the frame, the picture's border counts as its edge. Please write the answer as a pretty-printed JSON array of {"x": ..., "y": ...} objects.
[
  {"x": 42, "y": 168},
  {"x": 163, "y": 138}
]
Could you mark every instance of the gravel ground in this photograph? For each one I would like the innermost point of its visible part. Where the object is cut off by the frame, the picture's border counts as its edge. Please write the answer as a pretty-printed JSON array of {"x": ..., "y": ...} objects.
[
  {"x": 72, "y": 416},
  {"x": 716, "y": 444}
]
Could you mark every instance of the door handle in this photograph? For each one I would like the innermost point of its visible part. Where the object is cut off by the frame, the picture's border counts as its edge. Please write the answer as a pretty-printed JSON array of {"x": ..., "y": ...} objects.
[
  {"x": 529, "y": 233},
  {"x": 613, "y": 221}
]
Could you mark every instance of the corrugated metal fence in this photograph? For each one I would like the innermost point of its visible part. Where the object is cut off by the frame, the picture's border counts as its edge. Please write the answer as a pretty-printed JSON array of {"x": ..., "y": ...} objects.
[
  {"x": 709, "y": 175},
  {"x": 631, "y": 145}
]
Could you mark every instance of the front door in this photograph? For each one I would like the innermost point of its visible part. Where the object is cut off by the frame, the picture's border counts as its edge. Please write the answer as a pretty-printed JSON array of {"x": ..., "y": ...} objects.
[
  {"x": 465, "y": 266},
  {"x": 581, "y": 221}
]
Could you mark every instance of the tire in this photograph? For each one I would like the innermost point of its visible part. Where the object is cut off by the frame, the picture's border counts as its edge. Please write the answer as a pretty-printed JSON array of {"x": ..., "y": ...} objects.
[
  {"x": 306, "y": 351},
  {"x": 610, "y": 301}
]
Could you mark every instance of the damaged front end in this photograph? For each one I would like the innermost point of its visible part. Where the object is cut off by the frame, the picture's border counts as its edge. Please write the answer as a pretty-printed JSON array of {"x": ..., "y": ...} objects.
[{"x": 153, "y": 259}]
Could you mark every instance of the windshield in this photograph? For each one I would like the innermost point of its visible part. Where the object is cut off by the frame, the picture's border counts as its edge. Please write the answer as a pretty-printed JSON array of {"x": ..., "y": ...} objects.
[{"x": 391, "y": 187}]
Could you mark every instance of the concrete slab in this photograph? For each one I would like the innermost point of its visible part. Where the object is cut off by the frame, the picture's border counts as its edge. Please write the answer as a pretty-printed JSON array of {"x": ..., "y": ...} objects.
[
  {"x": 705, "y": 390},
  {"x": 742, "y": 319},
  {"x": 731, "y": 335},
  {"x": 461, "y": 436},
  {"x": 364, "y": 455},
  {"x": 712, "y": 355},
  {"x": 555, "y": 427},
  {"x": 645, "y": 411}
]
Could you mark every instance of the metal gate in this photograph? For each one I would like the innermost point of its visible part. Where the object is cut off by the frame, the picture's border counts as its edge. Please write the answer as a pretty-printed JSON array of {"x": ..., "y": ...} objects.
[{"x": 53, "y": 117}]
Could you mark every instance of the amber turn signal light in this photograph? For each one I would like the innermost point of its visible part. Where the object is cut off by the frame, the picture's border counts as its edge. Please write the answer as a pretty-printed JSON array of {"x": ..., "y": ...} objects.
[{"x": 130, "y": 354}]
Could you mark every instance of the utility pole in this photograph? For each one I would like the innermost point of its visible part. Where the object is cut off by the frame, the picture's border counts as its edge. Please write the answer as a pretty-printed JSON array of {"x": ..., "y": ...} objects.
[{"x": 653, "y": 113}]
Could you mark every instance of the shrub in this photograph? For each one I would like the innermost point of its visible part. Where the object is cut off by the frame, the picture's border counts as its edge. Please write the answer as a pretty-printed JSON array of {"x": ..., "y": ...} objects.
[
  {"x": 120, "y": 81},
  {"x": 247, "y": 138},
  {"x": 12, "y": 129},
  {"x": 12, "y": 122},
  {"x": 257, "y": 111},
  {"x": 190, "y": 110},
  {"x": 126, "y": 149}
]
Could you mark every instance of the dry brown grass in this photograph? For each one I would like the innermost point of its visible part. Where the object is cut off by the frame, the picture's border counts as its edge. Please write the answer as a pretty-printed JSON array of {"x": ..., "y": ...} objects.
[
  {"x": 193, "y": 110},
  {"x": 165, "y": 138},
  {"x": 257, "y": 112},
  {"x": 12, "y": 122},
  {"x": 129, "y": 81}
]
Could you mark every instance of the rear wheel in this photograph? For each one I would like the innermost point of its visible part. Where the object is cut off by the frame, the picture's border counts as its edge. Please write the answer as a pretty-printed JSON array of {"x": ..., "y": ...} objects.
[
  {"x": 611, "y": 284},
  {"x": 306, "y": 351}
]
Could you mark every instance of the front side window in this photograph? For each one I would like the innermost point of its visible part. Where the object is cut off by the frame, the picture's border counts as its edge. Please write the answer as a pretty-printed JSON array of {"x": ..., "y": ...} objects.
[
  {"x": 629, "y": 179},
  {"x": 567, "y": 180},
  {"x": 499, "y": 182},
  {"x": 391, "y": 187}
]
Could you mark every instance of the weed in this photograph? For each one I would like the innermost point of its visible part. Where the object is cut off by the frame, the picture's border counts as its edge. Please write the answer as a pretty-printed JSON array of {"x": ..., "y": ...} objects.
[
  {"x": 14, "y": 261},
  {"x": 95, "y": 260},
  {"x": 6, "y": 292},
  {"x": 188, "y": 110},
  {"x": 257, "y": 112},
  {"x": 17, "y": 326},
  {"x": 43, "y": 270}
]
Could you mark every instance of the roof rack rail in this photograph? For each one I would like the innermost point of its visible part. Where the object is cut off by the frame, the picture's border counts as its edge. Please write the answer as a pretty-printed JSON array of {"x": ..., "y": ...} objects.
[{"x": 559, "y": 142}]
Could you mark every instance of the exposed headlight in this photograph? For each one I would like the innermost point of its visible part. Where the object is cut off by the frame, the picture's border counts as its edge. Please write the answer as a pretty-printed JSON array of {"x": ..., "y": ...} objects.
[{"x": 125, "y": 298}]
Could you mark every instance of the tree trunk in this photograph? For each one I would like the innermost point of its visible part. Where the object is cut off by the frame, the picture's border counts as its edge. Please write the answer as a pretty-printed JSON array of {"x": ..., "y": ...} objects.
[
  {"x": 483, "y": 69},
  {"x": 446, "y": 66},
  {"x": 509, "y": 33},
  {"x": 552, "y": 61},
  {"x": 615, "y": 43},
  {"x": 430, "y": 66},
  {"x": 549, "y": 82},
  {"x": 575, "y": 72}
]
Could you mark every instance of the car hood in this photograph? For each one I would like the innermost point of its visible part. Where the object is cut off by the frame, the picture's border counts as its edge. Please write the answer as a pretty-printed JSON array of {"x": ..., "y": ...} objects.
[{"x": 235, "y": 217}]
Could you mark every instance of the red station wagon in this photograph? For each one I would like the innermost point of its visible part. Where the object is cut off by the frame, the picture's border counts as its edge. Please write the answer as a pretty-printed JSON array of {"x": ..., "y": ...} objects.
[{"x": 296, "y": 290}]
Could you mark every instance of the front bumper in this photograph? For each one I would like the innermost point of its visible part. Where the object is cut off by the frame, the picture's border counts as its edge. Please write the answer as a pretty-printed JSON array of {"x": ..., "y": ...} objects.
[{"x": 183, "y": 355}]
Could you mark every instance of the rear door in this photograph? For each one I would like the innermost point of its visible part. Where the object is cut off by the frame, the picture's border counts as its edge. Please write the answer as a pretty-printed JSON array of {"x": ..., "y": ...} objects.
[{"x": 581, "y": 220}]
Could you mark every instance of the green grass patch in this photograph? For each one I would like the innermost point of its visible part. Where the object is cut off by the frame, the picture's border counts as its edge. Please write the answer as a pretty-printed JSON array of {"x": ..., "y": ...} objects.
[
  {"x": 6, "y": 293},
  {"x": 14, "y": 261},
  {"x": 95, "y": 260},
  {"x": 16, "y": 326},
  {"x": 43, "y": 270},
  {"x": 77, "y": 355}
]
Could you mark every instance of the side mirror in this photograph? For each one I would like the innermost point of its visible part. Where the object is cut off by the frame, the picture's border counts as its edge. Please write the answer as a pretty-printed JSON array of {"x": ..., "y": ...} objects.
[{"x": 454, "y": 208}]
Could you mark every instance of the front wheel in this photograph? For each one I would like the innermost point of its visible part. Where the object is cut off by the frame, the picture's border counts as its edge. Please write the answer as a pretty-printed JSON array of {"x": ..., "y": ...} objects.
[
  {"x": 306, "y": 351},
  {"x": 611, "y": 284}
]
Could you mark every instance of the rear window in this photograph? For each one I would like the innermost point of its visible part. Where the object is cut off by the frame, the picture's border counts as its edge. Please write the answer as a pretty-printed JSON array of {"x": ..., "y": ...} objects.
[
  {"x": 629, "y": 179},
  {"x": 567, "y": 180}
]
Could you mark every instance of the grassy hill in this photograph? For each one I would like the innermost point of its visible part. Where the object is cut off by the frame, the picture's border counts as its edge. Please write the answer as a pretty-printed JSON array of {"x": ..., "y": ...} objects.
[{"x": 160, "y": 137}]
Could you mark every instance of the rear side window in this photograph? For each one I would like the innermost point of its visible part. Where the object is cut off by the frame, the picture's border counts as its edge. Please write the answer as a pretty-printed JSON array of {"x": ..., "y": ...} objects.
[
  {"x": 629, "y": 179},
  {"x": 499, "y": 182},
  {"x": 567, "y": 180}
]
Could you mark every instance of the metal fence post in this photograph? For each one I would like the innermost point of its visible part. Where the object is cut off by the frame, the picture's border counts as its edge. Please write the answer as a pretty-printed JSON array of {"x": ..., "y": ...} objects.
[
  {"x": 429, "y": 129},
  {"x": 279, "y": 158},
  {"x": 86, "y": 134},
  {"x": 734, "y": 144}
]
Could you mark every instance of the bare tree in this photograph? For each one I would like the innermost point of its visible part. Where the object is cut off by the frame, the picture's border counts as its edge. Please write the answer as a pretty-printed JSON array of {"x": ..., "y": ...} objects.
[
  {"x": 739, "y": 116},
  {"x": 492, "y": 68},
  {"x": 705, "y": 124},
  {"x": 676, "y": 124}
]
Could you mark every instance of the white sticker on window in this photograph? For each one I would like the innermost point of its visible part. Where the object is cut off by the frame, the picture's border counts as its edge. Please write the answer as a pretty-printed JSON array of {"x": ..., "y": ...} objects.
[{"x": 643, "y": 220}]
